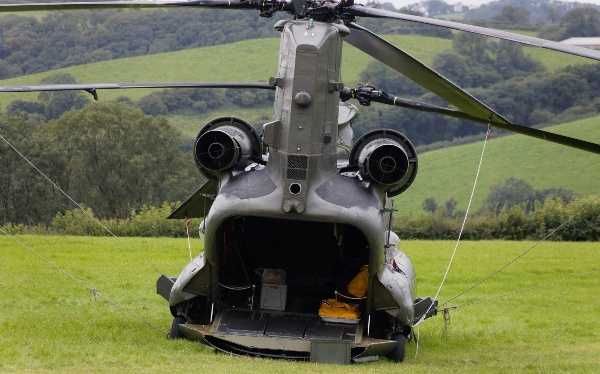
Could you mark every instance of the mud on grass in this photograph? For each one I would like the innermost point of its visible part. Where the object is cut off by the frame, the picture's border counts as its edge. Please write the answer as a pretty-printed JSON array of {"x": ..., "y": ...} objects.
[{"x": 540, "y": 315}]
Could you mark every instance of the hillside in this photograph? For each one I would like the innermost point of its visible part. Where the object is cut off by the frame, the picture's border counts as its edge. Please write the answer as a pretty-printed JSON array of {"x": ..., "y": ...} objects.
[
  {"x": 246, "y": 60},
  {"x": 189, "y": 125},
  {"x": 449, "y": 172}
]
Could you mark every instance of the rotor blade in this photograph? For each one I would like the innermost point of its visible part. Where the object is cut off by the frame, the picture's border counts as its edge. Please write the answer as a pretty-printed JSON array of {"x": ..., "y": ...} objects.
[
  {"x": 122, "y": 86},
  {"x": 548, "y": 136},
  {"x": 419, "y": 73},
  {"x": 363, "y": 11},
  {"x": 111, "y": 4},
  {"x": 529, "y": 131}
]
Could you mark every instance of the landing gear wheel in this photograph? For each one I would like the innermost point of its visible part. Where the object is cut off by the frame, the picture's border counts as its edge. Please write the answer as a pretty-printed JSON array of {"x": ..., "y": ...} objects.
[
  {"x": 398, "y": 353},
  {"x": 175, "y": 333}
]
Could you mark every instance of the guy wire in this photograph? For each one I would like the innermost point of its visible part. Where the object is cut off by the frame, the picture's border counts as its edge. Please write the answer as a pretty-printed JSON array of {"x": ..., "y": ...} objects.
[
  {"x": 462, "y": 227},
  {"x": 80, "y": 281},
  {"x": 510, "y": 262},
  {"x": 64, "y": 193}
]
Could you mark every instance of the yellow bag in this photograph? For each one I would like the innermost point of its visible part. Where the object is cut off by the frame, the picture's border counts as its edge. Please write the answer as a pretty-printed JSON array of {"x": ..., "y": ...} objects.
[
  {"x": 359, "y": 284},
  {"x": 331, "y": 308}
]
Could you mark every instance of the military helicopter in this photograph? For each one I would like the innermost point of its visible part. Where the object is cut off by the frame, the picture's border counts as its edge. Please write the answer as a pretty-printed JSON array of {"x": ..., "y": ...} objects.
[{"x": 299, "y": 257}]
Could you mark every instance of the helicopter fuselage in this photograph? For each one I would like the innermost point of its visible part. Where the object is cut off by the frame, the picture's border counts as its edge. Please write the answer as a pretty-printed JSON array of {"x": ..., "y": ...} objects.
[{"x": 298, "y": 213}]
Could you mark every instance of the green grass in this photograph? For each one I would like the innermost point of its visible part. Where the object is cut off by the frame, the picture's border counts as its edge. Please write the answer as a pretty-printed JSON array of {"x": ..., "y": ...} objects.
[
  {"x": 37, "y": 14},
  {"x": 449, "y": 172},
  {"x": 550, "y": 59},
  {"x": 189, "y": 125},
  {"x": 540, "y": 315},
  {"x": 555, "y": 60},
  {"x": 245, "y": 60}
]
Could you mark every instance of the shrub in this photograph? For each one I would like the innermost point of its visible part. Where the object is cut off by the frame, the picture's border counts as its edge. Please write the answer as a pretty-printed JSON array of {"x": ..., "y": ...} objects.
[
  {"x": 20, "y": 229},
  {"x": 585, "y": 221},
  {"x": 152, "y": 221},
  {"x": 153, "y": 105},
  {"x": 580, "y": 217},
  {"x": 514, "y": 224},
  {"x": 76, "y": 222},
  {"x": 148, "y": 221},
  {"x": 548, "y": 216}
]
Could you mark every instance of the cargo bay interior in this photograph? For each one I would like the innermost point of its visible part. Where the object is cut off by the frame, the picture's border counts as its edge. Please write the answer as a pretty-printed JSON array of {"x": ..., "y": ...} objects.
[{"x": 287, "y": 266}]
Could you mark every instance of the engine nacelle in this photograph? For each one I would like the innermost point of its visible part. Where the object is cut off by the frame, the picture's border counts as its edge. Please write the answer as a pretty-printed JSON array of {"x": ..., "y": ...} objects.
[
  {"x": 226, "y": 143},
  {"x": 387, "y": 158}
]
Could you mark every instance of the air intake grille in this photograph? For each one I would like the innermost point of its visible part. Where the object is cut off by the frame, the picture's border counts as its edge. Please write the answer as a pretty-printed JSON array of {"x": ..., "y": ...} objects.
[
  {"x": 297, "y": 174},
  {"x": 297, "y": 167},
  {"x": 297, "y": 162}
]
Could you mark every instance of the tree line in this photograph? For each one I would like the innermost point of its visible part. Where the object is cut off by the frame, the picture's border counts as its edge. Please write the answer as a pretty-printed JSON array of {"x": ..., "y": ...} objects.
[
  {"x": 198, "y": 101},
  {"x": 512, "y": 192},
  {"x": 500, "y": 74},
  {"x": 52, "y": 105},
  {"x": 578, "y": 220},
  {"x": 513, "y": 210},
  {"x": 108, "y": 155},
  {"x": 532, "y": 216},
  {"x": 60, "y": 39},
  {"x": 557, "y": 20}
]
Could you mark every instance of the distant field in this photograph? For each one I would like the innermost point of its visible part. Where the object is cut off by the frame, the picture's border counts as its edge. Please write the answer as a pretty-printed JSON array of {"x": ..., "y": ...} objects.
[
  {"x": 254, "y": 59},
  {"x": 189, "y": 125},
  {"x": 246, "y": 60},
  {"x": 35, "y": 14},
  {"x": 539, "y": 316},
  {"x": 449, "y": 172}
]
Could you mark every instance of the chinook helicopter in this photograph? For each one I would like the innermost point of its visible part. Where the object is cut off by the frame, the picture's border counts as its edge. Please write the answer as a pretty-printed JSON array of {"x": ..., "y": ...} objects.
[{"x": 299, "y": 257}]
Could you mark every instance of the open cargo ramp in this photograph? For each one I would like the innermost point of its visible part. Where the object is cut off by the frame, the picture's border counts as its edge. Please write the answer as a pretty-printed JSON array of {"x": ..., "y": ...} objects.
[{"x": 287, "y": 335}]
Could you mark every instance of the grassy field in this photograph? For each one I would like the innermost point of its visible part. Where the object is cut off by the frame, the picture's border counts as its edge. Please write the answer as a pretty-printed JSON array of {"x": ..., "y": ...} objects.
[
  {"x": 37, "y": 14},
  {"x": 540, "y": 315},
  {"x": 245, "y": 60},
  {"x": 449, "y": 172},
  {"x": 189, "y": 125}
]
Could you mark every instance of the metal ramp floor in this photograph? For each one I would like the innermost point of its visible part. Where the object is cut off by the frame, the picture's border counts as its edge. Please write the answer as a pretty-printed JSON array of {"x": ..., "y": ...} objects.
[
  {"x": 284, "y": 325},
  {"x": 283, "y": 335}
]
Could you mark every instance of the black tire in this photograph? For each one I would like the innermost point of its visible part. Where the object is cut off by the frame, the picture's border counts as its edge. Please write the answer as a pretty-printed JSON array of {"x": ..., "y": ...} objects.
[
  {"x": 399, "y": 351},
  {"x": 175, "y": 332}
]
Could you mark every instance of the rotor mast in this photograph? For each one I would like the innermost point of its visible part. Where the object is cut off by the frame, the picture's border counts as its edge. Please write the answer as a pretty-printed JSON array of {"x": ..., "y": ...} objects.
[{"x": 302, "y": 139}]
